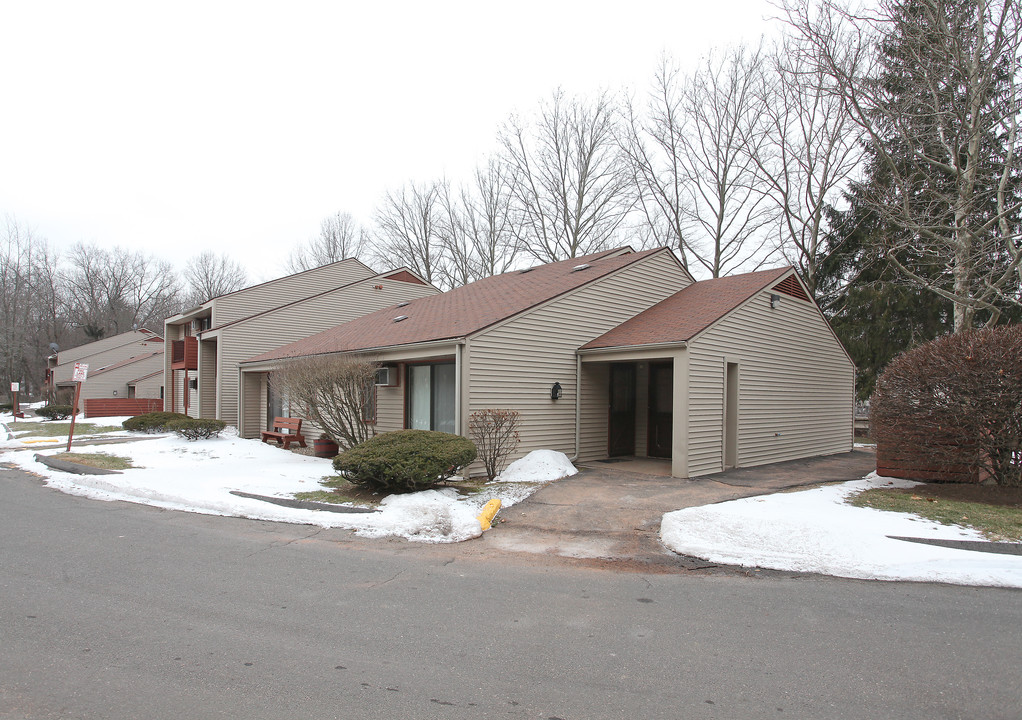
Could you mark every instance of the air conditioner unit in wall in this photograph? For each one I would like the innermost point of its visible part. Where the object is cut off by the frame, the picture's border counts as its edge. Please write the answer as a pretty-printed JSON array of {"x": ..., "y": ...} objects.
[
  {"x": 386, "y": 376},
  {"x": 193, "y": 384}
]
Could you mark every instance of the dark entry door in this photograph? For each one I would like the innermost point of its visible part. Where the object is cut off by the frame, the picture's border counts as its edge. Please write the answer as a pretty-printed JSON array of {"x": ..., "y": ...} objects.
[
  {"x": 661, "y": 409},
  {"x": 621, "y": 439}
]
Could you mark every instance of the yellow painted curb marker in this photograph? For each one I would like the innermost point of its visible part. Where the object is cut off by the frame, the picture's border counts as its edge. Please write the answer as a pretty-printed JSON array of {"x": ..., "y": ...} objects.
[{"x": 489, "y": 510}]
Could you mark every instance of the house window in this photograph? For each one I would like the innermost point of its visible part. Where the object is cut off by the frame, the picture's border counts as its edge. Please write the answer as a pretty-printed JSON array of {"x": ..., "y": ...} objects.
[
  {"x": 369, "y": 407},
  {"x": 430, "y": 397}
]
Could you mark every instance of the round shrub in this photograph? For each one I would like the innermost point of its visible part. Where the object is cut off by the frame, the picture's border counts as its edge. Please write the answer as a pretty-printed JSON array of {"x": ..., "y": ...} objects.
[
  {"x": 951, "y": 409},
  {"x": 405, "y": 460},
  {"x": 153, "y": 422},
  {"x": 55, "y": 412},
  {"x": 196, "y": 428}
]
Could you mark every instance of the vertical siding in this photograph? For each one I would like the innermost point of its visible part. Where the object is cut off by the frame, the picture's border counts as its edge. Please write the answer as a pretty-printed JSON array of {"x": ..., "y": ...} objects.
[
  {"x": 795, "y": 386},
  {"x": 286, "y": 290},
  {"x": 280, "y": 327},
  {"x": 515, "y": 364}
]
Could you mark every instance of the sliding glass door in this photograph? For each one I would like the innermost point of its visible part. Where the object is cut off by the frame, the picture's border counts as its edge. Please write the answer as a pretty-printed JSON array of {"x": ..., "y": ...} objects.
[{"x": 431, "y": 397}]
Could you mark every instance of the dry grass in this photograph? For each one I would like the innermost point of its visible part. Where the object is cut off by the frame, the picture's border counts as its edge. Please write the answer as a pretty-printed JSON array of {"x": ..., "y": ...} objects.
[{"x": 996, "y": 512}]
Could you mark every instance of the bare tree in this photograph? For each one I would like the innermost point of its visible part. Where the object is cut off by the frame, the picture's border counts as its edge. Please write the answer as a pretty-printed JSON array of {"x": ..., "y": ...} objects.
[
  {"x": 332, "y": 392},
  {"x": 806, "y": 149},
  {"x": 495, "y": 433},
  {"x": 110, "y": 291},
  {"x": 729, "y": 211},
  {"x": 572, "y": 186},
  {"x": 409, "y": 223},
  {"x": 653, "y": 143},
  {"x": 340, "y": 237},
  {"x": 208, "y": 275},
  {"x": 933, "y": 85},
  {"x": 18, "y": 337},
  {"x": 477, "y": 234}
]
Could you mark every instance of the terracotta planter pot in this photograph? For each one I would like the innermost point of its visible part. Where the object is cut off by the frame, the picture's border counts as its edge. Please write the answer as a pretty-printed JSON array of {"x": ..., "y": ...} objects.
[{"x": 324, "y": 448}]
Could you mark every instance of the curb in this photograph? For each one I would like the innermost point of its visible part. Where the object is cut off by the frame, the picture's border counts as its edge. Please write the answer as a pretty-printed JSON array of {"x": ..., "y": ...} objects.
[
  {"x": 73, "y": 467},
  {"x": 303, "y": 504}
]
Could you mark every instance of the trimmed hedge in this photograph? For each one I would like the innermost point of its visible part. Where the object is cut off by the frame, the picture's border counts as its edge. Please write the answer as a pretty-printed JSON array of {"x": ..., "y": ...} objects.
[
  {"x": 152, "y": 422},
  {"x": 55, "y": 412},
  {"x": 197, "y": 428},
  {"x": 405, "y": 460}
]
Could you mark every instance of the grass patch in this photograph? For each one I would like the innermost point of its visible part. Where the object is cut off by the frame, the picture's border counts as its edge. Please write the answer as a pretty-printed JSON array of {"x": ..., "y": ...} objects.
[
  {"x": 995, "y": 522},
  {"x": 339, "y": 491},
  {"x": 97, "y": 460},
  {"x": 60, "y": 429}
]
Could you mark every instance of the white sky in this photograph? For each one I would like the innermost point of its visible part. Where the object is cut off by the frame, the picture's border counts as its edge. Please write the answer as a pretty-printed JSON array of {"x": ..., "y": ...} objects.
[{"x": 238, "y": 126}]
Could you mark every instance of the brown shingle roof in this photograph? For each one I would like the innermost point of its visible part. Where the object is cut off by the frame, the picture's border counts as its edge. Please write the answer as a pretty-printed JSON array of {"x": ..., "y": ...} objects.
[
  {"x": 462, "y": 311},
  {"x": 685, "y": 314}
]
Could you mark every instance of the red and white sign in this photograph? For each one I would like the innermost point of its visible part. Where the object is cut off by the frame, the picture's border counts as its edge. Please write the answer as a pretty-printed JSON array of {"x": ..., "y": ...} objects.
[
  {"x": 15, "y": 387},
  {"x": 80, "y": 372}
]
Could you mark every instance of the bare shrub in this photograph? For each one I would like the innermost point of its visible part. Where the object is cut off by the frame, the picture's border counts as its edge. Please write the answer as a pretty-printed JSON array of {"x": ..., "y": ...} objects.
[
  {"x": 333, "y": 392},
  {"x": 495, "y": 433},
  {"x": 957, "y": 402}
]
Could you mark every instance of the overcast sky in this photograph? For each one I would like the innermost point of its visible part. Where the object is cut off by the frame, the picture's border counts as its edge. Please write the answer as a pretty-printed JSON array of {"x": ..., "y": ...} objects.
[{"x": 239, "y": 126}]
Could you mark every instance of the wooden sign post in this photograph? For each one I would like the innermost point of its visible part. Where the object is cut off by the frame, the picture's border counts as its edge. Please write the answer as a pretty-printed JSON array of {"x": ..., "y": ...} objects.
[{"x": 81, "y": 371}]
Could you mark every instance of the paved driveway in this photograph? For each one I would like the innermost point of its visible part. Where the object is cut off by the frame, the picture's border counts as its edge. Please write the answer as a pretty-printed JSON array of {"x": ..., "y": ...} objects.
[{"x": 610, "y": 511}]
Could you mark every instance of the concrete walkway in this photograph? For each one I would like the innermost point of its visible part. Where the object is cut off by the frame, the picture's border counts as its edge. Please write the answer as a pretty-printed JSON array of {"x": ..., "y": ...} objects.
[{"x": 611, "y": 512}]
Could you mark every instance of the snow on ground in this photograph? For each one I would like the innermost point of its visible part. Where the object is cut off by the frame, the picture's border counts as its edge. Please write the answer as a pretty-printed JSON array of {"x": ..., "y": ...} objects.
[
  {"x": 198, "y": 476},
  {"x": 815, "y": 531}
]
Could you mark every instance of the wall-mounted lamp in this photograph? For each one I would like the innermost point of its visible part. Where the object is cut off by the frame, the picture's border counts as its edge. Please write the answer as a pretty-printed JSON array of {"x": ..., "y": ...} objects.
[
  {"x": 556, "y": 392},
  {"x": 775, "y": 300}
]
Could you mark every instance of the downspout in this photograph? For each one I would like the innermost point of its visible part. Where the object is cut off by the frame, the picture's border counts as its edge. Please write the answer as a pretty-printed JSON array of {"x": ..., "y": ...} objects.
[
  {"x": 578, "y": 407},
  {"x": 458, "y": 385}
]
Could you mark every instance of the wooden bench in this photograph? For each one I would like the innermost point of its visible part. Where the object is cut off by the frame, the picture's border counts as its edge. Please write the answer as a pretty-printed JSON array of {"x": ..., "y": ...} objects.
[{"x": 285, "y": 431}]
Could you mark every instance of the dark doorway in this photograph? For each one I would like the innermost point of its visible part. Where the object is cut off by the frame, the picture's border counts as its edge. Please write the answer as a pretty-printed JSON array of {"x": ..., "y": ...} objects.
[
  {"x": 661, "y": 410},
  {"x": 621, "y": 440}
]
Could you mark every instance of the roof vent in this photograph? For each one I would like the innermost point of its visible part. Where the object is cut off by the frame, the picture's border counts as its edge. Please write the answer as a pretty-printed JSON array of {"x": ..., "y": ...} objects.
[
  {"x": 402, "y": 304},
  {"x": 583, "y": 266},
  {"x": 525, "y": 270},
  {"x": 399, "y": 318}
]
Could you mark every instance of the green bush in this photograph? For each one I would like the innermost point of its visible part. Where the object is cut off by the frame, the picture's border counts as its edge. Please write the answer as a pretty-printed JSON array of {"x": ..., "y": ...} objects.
[
  {"x": 55, "y": 412},
  {"x": 153, "y": 422},
  {"x": 197, "y": 428},
  {"x": 405, "y": 460}
]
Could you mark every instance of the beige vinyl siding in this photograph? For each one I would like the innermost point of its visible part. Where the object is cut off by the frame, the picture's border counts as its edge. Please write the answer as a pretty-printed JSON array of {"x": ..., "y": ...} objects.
[
  {"x": 594, "y": 411},
  {"x": 103, "y": 385},
  {"x": 149, "y": 387},
  {"x": 279, "y": 327},
  {"x": 515, "y": 364},
  {"x": 795, "y": 386},
  {"x": 255, "y": 404},
  {"x": 390, "y": 407},
  {"x": 282, "y": 291},
  {"x": 207, "y": 374}
]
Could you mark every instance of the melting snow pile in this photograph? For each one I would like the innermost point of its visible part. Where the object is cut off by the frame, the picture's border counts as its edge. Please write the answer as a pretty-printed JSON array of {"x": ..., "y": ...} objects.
[
  {"x": 199, "y": 476},
  {"x": 816, "y": 531}
]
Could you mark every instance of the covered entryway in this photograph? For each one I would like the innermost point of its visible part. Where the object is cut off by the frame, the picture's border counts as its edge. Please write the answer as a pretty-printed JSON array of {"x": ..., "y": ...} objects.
[{"x": 627, "y": 409}]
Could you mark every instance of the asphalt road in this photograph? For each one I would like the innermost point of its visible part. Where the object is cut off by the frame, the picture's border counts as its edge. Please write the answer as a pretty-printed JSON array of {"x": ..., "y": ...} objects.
[{"x": 111, "y": 610}]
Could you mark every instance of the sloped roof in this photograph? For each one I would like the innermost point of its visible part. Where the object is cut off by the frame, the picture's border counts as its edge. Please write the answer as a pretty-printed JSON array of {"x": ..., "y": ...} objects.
[
  {"x": 127, "y": 361},
  {"x": 401, "y": 274},
  {"x": 463, "y": 311},
  {"x": 685, "y": 314}
]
